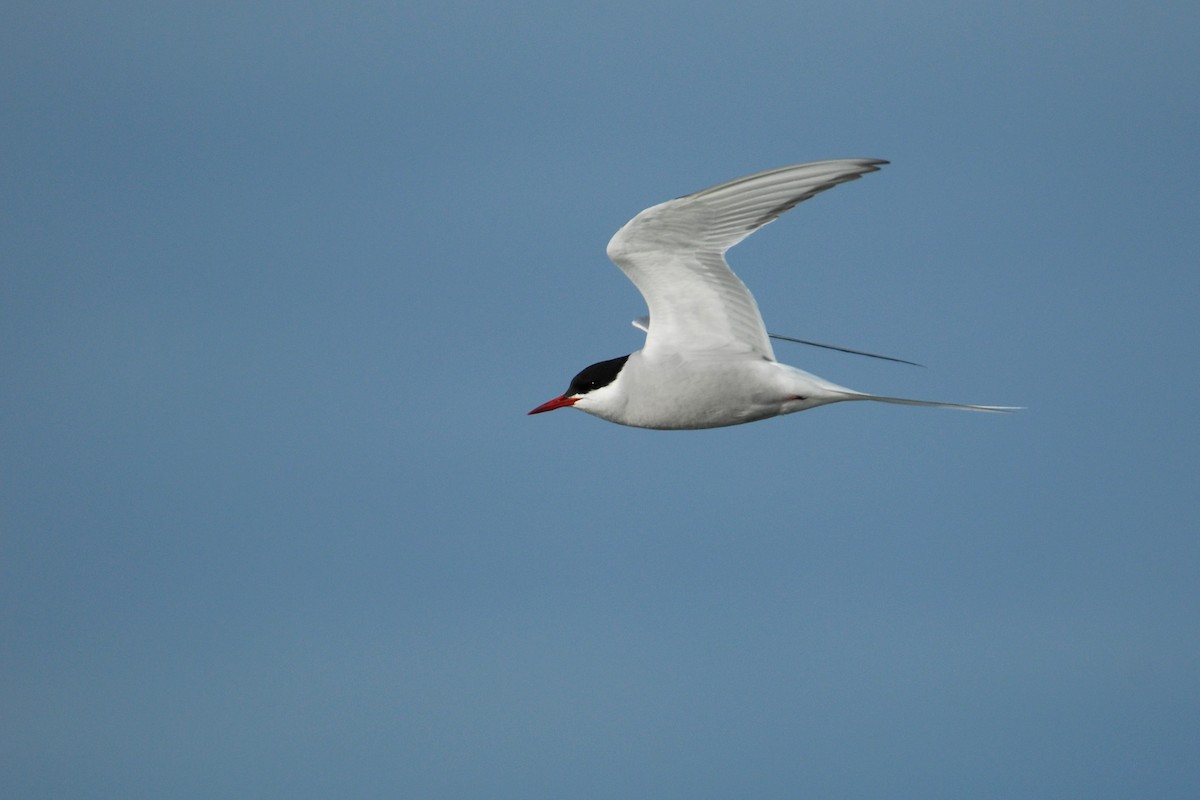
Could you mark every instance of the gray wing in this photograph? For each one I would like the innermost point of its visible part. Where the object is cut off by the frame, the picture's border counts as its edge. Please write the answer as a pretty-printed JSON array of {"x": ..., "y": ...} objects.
[{"x": 674, "y": 253}]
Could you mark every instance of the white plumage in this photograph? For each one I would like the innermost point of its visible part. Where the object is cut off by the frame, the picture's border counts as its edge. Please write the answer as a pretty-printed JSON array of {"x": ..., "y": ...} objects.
[{"x": 708, "y": 361}]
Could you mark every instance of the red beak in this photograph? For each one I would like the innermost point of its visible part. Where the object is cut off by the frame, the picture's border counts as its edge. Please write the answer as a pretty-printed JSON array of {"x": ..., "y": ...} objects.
[{"x": 558, "y": 402}]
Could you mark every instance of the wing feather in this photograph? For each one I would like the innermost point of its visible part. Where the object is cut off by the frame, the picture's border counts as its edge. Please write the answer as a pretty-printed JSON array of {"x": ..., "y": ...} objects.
[{"x": 674, "y": 253}]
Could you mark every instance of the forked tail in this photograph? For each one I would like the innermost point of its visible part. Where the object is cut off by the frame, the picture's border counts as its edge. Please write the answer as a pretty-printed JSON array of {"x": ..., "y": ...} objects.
[{"x": 904, "y": 401}]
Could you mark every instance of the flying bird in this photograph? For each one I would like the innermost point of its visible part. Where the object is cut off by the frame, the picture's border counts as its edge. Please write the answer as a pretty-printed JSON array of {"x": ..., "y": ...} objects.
[{"x": 707, "y": 361}]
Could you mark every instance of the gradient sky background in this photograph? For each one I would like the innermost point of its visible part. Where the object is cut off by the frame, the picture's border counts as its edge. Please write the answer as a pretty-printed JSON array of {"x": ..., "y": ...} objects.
[{"x": 281, "y": 281}]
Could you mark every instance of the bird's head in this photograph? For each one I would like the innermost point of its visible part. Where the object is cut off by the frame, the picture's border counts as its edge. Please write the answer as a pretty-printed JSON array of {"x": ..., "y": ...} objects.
[{"x": 587, "y": 388}]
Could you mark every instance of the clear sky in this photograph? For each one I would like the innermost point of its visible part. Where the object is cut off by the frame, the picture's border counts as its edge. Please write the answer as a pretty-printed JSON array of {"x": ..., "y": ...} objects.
[{"x": 280, "y": 282}]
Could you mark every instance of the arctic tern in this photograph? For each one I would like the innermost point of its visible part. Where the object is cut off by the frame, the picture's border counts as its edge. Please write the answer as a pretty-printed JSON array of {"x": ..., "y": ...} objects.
[{"x": 707, "y": 361}]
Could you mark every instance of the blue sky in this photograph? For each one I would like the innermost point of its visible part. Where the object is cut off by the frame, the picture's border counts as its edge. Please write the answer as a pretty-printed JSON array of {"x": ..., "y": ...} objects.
[{"x": 282, "y": 280}]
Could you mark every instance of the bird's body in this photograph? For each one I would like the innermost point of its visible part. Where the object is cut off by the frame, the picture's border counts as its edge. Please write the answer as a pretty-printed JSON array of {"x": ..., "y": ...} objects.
[
  {"x": 708, "y": 360},
  {"x": 709, "y": 390}
]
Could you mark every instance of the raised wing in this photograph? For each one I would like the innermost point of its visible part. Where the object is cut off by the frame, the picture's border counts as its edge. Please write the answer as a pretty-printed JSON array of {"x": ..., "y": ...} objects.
[{"x": 674, "y": 253}]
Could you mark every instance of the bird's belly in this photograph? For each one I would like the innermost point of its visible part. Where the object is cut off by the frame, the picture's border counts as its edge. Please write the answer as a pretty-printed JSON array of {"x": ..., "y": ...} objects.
[{"x": 703, "y": 396}]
